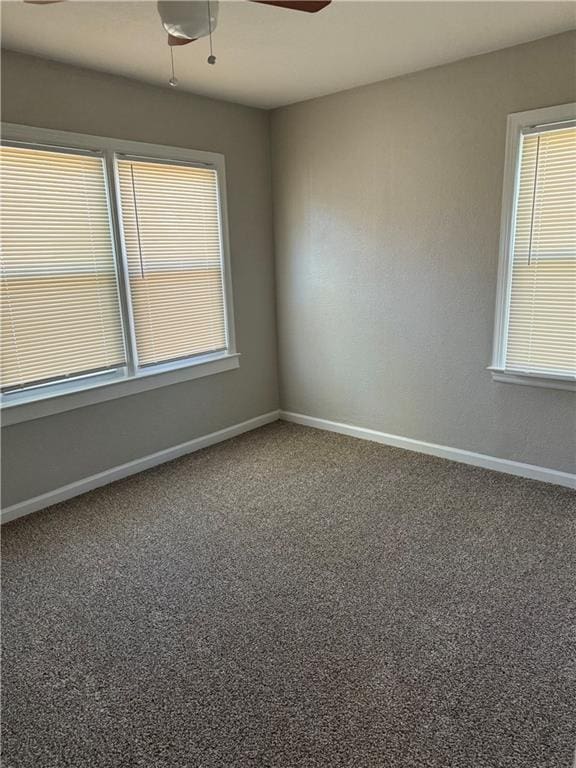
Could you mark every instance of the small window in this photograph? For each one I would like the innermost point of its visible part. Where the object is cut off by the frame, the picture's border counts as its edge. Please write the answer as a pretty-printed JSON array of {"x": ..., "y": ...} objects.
[
  {"x": 536, "y": 316},
  {"x": 114, "y": 269}
]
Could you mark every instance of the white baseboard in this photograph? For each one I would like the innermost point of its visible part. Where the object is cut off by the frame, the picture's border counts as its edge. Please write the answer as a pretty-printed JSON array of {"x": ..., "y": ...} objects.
[
  {"x": 132, "y": 467},
  {"x": 138, "y": 465},
  {"x": 443, "y": 451}
]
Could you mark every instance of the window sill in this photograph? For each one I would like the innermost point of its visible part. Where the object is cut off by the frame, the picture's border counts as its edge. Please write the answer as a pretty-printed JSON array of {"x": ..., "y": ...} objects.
[
  {"x": 48, "y": 405},
  {"x": 549, "y": 381}
]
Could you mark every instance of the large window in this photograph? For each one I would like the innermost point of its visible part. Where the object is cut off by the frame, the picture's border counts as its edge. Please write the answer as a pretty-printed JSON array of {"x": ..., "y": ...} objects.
[
  {"x": 171, "y": 228},
  {"x": 60, "y": 312},
  {"x": 535, "y": 339},
  {"x": 113, "y": 263}
]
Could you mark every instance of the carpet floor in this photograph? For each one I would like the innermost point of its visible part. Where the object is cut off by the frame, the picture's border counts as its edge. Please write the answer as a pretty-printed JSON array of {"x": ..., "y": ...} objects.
[{"x": 292, "y": 599}]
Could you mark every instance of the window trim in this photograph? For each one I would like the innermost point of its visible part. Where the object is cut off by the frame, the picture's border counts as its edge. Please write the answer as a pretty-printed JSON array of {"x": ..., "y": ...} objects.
[
  {"x": 68, "y": 395},
  {"x": 519, "y": 123}
]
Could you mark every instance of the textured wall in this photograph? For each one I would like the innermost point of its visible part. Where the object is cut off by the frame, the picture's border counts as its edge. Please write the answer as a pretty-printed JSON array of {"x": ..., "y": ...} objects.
[
  {"x": 387, "y": 214},
  {"x": 41, "y": 455}
]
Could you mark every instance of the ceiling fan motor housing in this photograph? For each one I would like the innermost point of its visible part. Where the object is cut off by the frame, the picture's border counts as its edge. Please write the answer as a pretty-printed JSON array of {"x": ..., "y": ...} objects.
[{"x": 188, "y": 20}]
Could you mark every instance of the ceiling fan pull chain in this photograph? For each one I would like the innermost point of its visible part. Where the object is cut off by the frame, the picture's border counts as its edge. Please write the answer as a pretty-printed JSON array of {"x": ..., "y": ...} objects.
[
  {"x": 173, "y": 80},
  {"x": 211, "y": 58}
]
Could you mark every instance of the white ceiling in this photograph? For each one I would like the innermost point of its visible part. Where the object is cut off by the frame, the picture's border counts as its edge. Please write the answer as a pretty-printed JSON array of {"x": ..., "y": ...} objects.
[{"x": 269, "y": 57}]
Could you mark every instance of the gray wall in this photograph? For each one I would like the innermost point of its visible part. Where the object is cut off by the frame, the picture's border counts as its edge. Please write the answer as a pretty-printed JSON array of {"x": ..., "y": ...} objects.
[
  {"x": 387, "y": 213},
  {"x": 41, "y": 455}
]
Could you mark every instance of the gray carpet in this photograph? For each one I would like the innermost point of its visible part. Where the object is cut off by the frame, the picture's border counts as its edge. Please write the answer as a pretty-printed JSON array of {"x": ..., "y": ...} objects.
[{"x": 294, "y": 598}]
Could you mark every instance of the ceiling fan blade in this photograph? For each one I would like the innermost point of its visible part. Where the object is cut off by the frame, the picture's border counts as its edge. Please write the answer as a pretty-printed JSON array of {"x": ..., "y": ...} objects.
[
  {"x": 43, "y": 2},
  {"x": 173, "y": 40},
  {"x": 309, "y": 6}
]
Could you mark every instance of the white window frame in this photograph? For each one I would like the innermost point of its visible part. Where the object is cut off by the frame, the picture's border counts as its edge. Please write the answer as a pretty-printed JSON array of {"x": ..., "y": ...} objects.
[
  {"x": 88, "y": 390},
  {"x": 519, "y": 123}
]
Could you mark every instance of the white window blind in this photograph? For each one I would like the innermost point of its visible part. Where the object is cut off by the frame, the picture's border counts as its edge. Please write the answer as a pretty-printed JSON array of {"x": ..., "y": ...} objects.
[
  {"x": 60, "y": 310},
  {"x": 171, "y": 227},
  {"x": 541, "y": 329}
]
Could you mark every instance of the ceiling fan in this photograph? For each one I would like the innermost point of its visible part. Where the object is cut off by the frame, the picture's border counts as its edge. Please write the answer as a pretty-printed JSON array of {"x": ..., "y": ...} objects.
[
  {"x": 186, "y": 21},
  {"x": 189, "y": 20}
]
